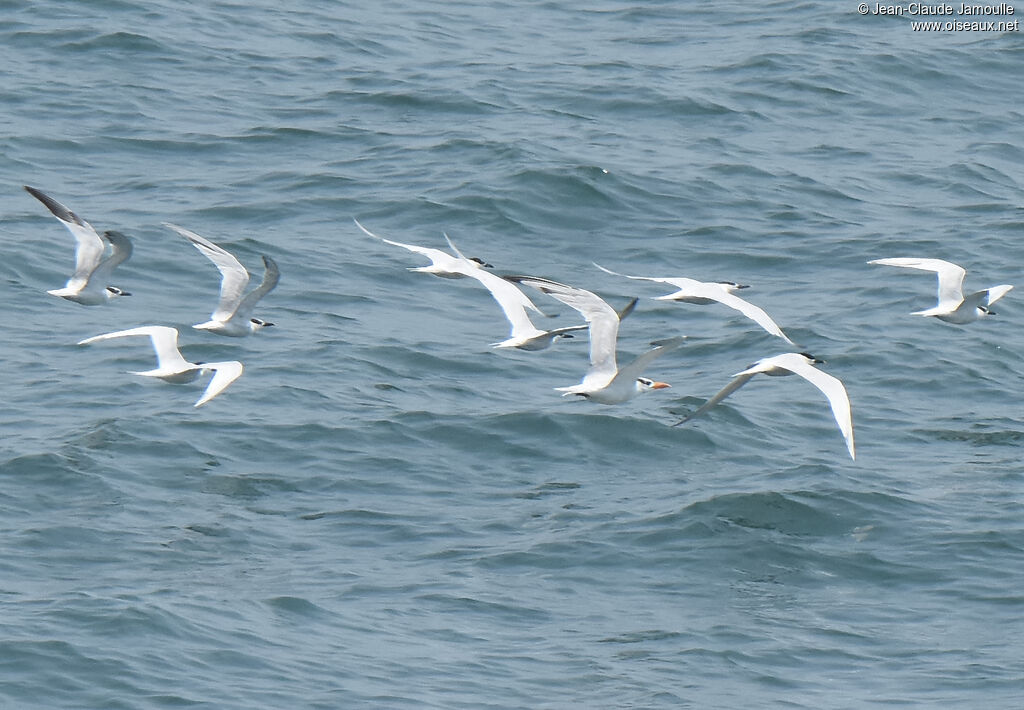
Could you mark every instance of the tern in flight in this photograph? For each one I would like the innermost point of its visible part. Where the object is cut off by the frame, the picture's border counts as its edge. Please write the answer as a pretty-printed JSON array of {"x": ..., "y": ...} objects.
[
  {"x": 952, "y": 307},
  {"x": 605, "y": 382},
  {"x": 233, "y": 315},
  {"x": 792, "y": 364},
  {"x": 442, "y": 263},
  {"x": 705, "y": 292},
  {"x": 513, "y": 302},
  {"x": 88, "y": 285},
  {"x": 171, "y": 366}
]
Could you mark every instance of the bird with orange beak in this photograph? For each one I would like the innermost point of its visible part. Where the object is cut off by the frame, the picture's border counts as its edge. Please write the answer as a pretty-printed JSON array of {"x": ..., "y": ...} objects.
[{"x": 605, "y": 382}]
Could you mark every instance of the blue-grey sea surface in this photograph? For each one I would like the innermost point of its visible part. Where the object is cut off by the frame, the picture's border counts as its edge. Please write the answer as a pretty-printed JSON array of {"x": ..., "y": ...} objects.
[{"x": 384, "y": 511}]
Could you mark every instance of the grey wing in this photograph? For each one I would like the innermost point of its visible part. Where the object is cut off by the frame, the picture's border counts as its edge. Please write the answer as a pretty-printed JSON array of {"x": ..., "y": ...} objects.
[
  {"x": 58, "y": 210},
  {"x": 88, "y": 253},
  {"x": 976, "y": 299},
  {"x": 636, "y": 367},
  {"x": 834, "y": 390},
  {"x": 224, "y": 373},
  {"x": 271, "y": 276},
  {"x": 997, "y": 292},
  {"x": 604, "y": 333},
  {"x": 122, "y": 251},
  {"x": 627, "y": 309},
  {"x": 734, "y": 385},
  {"x": 89, "y": 247},
  {"x": 603, "y": 320},
  {"x": 234, "y": 277}
]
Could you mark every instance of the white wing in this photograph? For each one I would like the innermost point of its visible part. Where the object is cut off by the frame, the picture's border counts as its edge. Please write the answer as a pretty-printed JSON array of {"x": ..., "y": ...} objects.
[
  {"x": 830, "y": 386},
  {"x": 951, "y": 276},
  {"x": 271, "y": 275},
  {"x": 473, "y": 262},
  {"x": 234, "y": 277},
  {"x": 163, "y": 339},
  {"x": 714, "y": 292},
  {"x": 680, "y": 282},
  {"x": 442, "y": 260},
  {"x": 513, "y": 302},
  {"x": 684, "y": 284},
  {"x": 603, "y": 320},
  {"x": 454, "y": 248},
  {"x": 89, "y": 247},
  {"x": 224, "y": 373}
]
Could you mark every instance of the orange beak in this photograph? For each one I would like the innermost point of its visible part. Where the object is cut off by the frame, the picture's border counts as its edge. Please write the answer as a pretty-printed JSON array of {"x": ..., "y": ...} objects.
[{"x": 660, "y": 385}]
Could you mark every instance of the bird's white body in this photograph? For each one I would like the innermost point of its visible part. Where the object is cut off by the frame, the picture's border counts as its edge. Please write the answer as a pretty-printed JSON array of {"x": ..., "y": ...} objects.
[
  {"x": 952, "y": 306},
  {"x": 706, "y": 292},
  {"x": 514, "y": 303},
  {"x": 171, "y": 366},
  {"x": 800, "y": 364},
  {"x": 88, "y": 285},
  {"x": 605, "y": 382},
  {"x": 233, "y": 315}
]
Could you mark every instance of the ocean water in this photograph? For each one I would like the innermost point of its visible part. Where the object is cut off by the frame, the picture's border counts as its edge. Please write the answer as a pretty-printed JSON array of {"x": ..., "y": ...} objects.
[{"x": 385, "y": 512}]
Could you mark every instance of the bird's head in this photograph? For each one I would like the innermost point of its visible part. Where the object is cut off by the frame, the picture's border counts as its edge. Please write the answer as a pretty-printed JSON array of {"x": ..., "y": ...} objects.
[
  {"x": 812, "y": 360},
  {"x": 643, "y": 384},
  {"x": 258, "y": 324},
  {"x": 114, "y": 292}
]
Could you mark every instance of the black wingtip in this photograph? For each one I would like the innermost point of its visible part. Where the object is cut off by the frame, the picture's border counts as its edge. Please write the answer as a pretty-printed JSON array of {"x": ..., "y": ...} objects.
[
  {"x": 628, "y": 308},
  {"x": 57, "y": 209}
]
